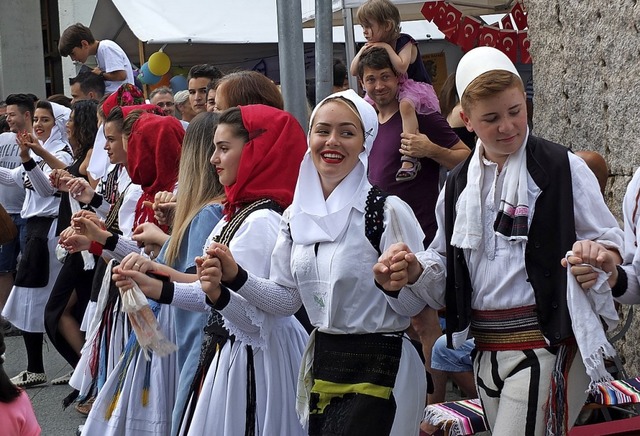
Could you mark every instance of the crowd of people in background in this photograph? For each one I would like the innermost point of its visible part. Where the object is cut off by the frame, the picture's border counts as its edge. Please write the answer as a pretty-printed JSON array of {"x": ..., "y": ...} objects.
[{"x": 317, "y": 284}]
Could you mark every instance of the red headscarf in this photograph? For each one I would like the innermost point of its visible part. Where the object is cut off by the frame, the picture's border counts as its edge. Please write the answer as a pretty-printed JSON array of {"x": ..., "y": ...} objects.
[
  {"x": 270, "y": 161},
  {"x": 151, "y": 108},
  {"x": 153, "y": 158},
  {"x": 126, "y": 95}
]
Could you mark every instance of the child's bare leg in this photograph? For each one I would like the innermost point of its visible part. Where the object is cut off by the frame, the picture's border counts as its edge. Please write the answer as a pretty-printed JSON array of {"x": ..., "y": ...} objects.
[{"x": 409, "y": 125}]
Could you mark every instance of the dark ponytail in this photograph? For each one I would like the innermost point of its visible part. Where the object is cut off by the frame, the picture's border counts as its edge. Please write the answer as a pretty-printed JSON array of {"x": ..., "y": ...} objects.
[{"x": 8, "y": 391}]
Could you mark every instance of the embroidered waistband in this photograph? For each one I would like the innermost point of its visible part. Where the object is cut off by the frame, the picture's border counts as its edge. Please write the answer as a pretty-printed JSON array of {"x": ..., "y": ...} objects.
[{"x": 508, "y": 329}]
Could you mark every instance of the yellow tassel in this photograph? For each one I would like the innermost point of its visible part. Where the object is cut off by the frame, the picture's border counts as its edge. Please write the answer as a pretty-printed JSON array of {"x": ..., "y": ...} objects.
[
  {"x": 112, "y": 406},
  {"x": 145, "y": 397}
]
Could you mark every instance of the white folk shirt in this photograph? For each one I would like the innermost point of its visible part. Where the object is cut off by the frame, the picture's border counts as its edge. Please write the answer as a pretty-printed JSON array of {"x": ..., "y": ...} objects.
[
  {"x": 497, "y": 267},
  {"x": 336, "y": 285},
  {"x": 631, "y": 255}
]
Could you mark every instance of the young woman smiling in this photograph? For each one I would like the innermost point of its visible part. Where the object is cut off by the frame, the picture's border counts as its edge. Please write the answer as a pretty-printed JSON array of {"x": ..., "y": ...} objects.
[
  {"x": 323, "y": 258},
  {"x": 26, "y": 304}
]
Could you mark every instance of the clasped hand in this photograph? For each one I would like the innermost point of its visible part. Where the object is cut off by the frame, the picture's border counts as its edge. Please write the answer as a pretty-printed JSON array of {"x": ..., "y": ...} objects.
[
  {"x": 217, "y": 266},
  {"x": 396, "y": 268},
  {"x": 133, "y": 269}
]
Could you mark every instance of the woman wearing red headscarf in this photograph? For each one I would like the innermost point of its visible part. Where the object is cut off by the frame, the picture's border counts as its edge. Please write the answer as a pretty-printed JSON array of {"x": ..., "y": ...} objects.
[
  {"x": 246, "y": 380},
  {"x": 148, "y": 146}
]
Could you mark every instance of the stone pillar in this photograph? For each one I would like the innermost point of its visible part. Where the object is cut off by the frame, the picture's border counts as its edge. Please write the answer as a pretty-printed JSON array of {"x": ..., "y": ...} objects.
[
  {"x": 586, "y": 56},
  {"x": 21, "y": 60}
]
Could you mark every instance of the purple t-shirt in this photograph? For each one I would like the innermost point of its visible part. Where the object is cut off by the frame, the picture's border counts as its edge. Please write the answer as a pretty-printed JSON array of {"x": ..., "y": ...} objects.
[{"x": 420, "y": 193}]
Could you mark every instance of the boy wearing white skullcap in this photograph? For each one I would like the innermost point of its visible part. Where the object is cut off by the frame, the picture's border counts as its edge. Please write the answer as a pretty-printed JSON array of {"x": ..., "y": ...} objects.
[{"x": 506, "y": 218}]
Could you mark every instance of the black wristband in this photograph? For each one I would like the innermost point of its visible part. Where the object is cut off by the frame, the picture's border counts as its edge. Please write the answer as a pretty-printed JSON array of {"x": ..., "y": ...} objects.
[
  {"x": 239, "y": 281},
  {"x": 166, "y": 295},
  {"x": 392, "y": 294},
  {"x": 223, "y": 300},
  {"x": 621, "y": 283},
  {"x": 96, "y": 201},
  {"x": 29, "y": 165},
  {"x": 111, "y": 242}
]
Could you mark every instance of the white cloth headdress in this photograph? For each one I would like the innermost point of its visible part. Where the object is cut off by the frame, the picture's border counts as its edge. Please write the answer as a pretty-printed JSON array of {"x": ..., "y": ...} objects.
[
  {"x": 512, "y": 221},
  {"x": 59, "y": 131},
  {"x": 478, "y": 61},
  {"x": 314, "y": 219}
]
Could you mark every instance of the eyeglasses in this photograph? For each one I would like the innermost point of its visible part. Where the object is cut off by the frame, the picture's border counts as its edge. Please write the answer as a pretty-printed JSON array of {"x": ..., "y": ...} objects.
[{"x": 165, "y": 104}]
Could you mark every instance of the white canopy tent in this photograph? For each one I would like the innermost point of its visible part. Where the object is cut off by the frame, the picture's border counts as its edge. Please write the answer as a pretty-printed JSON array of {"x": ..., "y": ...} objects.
[
  {"x": 343, "y": 14},
  {"x": 229, "y": 33},
  {"x": 409, "y": 9}
]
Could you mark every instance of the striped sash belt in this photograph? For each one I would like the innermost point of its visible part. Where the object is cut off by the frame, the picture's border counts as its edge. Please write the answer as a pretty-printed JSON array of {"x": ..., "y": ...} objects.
[{"x": 507, "y": 329}]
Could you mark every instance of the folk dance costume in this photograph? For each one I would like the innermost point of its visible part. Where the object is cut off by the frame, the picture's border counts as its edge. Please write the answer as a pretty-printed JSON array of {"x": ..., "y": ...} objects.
[
  {"x": 137, "y": 395},
  {"x": 324, "y": 259},
  {"x": 38, "y": 269},
  {"x": 76, "y": 275},
  {"x": 247, "y": 376},
  {"x": 189, "y": 325},
  {"x": 501, "y": 236}
]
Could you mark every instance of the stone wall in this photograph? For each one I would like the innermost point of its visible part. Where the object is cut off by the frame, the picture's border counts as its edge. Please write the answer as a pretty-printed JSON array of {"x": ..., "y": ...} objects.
[{"x": 586, "y": 56}]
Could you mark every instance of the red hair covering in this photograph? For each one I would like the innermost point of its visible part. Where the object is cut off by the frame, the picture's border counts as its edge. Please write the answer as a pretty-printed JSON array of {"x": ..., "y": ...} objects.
[
  {"x": 151, "y": 108},
  {"x": 126, "y": 95},
  {"x": 270, "y": 161},
  {"x": 153, "y": 158}
]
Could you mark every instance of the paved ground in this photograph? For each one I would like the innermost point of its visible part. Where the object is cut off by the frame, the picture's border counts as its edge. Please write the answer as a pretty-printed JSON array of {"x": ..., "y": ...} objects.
[{"x": 46, "y": 399}]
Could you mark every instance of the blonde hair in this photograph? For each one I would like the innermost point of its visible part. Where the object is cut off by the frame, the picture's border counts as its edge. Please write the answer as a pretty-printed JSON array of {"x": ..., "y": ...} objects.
[
  {"x": 382, "y": 12},
  {"x": 198, "y": 183},
  {"x": 487, "y": 85}
]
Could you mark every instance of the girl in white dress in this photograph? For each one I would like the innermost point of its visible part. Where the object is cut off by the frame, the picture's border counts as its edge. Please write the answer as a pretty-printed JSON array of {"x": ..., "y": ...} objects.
[
  {"x": 246, "y": 380},
  {"x": 40, "y": 155},
  {"x": 360, "y": 374}
]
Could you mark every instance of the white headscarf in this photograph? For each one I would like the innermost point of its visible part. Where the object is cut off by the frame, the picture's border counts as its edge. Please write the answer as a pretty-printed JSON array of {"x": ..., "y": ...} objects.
[
  {"x": 314, "y": 219},
  {"x": 59, "y": 131}
]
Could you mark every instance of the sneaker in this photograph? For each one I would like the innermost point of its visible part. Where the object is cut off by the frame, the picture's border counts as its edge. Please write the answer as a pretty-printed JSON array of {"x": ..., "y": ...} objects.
[
  {"x": 26, "y": 379},
  {"x": 62, "y": 380}
]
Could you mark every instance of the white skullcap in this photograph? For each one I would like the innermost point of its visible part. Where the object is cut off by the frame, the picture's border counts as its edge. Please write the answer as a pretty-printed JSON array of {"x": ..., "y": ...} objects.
[{"x": 479, "y": 61}]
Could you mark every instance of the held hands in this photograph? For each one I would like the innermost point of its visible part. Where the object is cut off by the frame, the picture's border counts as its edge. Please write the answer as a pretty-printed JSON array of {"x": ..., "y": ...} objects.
[
  {"x": 397, "y": 267},
  {"x": 588, "y": 254},
  {"x": 151, "y": 237},
  {"x": 89, "y": 225},
  {"x": 134, "y": 268},
  {"x": 164, "y": 206},
  {"x": 217, "y": 266},
  {"x": 78, "y": 188},
  {"x": 73, "y": 242},
  {"x": 55, "y": 178},
  {"x": 210, "y": 276}
]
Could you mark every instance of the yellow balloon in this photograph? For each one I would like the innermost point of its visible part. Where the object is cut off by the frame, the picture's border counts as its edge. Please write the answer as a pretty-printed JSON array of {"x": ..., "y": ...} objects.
[{"x": 159, "y": 63}]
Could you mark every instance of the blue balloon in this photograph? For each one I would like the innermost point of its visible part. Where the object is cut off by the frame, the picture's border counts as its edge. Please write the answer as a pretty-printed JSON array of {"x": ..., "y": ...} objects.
[
  {"x": 146, "y": 76},
  {"x": 178, "y": 83}
]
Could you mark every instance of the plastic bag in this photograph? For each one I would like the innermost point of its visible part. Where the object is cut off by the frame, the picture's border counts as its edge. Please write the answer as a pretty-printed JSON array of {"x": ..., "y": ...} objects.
[{"x": 144, "y": 323}]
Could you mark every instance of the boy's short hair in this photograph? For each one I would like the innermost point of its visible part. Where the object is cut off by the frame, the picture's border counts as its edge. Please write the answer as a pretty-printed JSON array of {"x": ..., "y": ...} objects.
[
  {"x": 488, "y": 85},
  {"x": 204, "y": 70},
  {"x": 72, "y": 37},
  {"x": 376, "y": 58},
  {"x": 89, "y": 82},
  {"x": 24, "y": 102}
]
